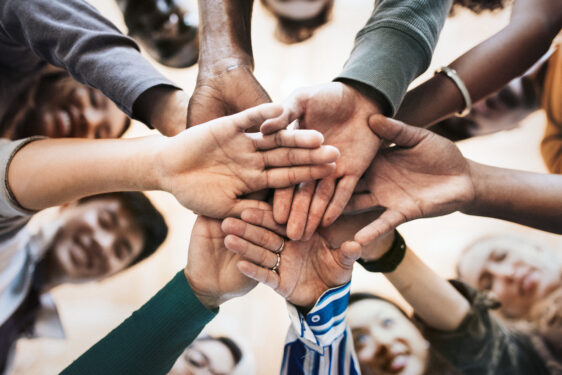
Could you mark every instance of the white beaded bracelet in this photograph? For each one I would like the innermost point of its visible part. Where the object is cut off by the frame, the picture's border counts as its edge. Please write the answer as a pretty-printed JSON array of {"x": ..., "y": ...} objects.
[{"x": 452, "y": 74}]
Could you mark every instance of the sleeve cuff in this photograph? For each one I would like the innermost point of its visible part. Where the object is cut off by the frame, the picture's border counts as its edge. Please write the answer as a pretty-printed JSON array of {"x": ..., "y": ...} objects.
[
  {"x": 386, "y": 73},
  {"x": 9, "y": 206},
  {"x": 325, "y": 322}
]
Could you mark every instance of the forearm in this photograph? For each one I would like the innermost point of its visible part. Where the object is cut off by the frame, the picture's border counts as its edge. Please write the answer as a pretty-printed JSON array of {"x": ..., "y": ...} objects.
[
  {"x": 514, "y": 49},
  {"x": 153, "y": 337},
  {"x": 532, "y": 199},
  {"x": 433, "y": 299},
  {"x": 225, "y": 35},
  {"x": 51, "y": 172}
]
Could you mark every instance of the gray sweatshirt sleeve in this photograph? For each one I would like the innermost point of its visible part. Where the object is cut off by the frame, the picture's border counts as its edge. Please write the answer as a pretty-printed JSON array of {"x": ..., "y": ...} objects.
[
  {"x": 12, "y": 216},
  {"x": 394, "y": 47},
  {"x": 72, "y": 34}
]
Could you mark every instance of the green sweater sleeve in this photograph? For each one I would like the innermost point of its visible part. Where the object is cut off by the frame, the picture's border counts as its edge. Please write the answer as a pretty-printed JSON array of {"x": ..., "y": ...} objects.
[
  {"x": 394, "y": 47},
  {"x": 152, "y": 338}
]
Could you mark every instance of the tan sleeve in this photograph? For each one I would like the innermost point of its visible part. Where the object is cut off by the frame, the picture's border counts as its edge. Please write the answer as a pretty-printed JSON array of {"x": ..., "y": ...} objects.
[{"x": 551, "y": 145}]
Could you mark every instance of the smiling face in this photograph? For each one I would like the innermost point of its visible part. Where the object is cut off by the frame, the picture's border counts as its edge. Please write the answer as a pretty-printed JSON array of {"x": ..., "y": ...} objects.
[
  {"x": 205, "y": 357},
  {"x": 63, "y": 107},
  {"x": 386, "y": 341},
  {"x": 97, "y": 238},
  {"x": 519, "y": 273}
]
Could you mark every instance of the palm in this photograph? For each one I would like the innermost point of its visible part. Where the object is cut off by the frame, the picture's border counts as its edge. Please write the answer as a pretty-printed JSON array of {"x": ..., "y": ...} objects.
[
  {"x": 428, "y": 178},
  {"x": 341, "y": 114},
  {"x": 210, "y": 167},
  {"x": 230, "y": 92},
  {"x": 212, "y": 268},
  {"x": 308, "y": 269}
]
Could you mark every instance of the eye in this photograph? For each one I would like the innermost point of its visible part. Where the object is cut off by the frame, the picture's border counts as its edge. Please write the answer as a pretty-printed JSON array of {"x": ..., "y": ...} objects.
[
  {"x": 498, "y": 255},
  {"x": 107, "y": 219},
  {"x": 102, "y": 131},
  {"x": 122, "y": 249},
  {"x": 387, "y": 323},
  {"x": 195, "y": 359},
  {"x": 485, "y": 281}
]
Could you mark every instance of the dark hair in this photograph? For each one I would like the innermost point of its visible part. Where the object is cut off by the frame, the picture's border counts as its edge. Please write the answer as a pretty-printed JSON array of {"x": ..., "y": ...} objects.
[
  {"x": 230, "y": 344},
  {"x": 478, "y": 7},
  {"x": 144, "y": 214},
  {"x": 292, "y": 31}
]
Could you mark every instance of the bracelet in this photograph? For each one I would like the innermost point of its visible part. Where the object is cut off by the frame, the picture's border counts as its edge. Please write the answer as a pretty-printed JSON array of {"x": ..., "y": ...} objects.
[
  {"x": 390, "y": 260},
  {"x": 452, "y": 74}
]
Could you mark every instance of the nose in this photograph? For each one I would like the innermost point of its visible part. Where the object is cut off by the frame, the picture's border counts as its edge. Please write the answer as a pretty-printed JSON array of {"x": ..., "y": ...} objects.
[
  {"x": 503, "y": 270},
  {"x": 105, "y": 239},
  {"x": 95, "y": 123}
]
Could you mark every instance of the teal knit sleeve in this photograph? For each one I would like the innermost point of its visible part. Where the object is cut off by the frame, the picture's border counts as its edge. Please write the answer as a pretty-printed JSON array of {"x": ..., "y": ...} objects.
[
  {"x": 394, "y": 47},
  {"x": 151, "y": 339}
]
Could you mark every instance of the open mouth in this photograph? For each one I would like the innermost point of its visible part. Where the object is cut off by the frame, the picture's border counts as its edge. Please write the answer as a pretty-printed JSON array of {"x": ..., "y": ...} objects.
[
  {"x": 396, "y": 362},
  {"x": 528, "y": 282}
]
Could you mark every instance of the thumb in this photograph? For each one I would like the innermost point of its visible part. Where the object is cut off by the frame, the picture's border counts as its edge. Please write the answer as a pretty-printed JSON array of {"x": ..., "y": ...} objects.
[
  {"x": 349, "y": 252},
  {"x": 293, "y": 108},
  {"x": 395, "y": 131},
  {"x": 254, "y": 117}
]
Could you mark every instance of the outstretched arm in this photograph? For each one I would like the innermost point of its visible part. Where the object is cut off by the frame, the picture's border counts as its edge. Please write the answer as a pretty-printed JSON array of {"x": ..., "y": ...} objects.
[
  {"x": 393, "y": 48},
  {"x": 425, "y": 175},
  {"x": 150, "y": 341},
  {"x": 208, "y": 168},
  {"x": 74, "y": 36},
  {"x": 532, "y": 27},
  {"x": 225, "y": 81}
]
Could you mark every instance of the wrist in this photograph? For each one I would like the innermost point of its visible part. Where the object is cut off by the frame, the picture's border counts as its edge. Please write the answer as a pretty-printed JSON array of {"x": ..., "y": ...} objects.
[
  {"x": 368, "y": 95},
  {"x": 209, "y": 300},
  {"x": 477, "y": 175},
  {"x": 390, "y": 260}
]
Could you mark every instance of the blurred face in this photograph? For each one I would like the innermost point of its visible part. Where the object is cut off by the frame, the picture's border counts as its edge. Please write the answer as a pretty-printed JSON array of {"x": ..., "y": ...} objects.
[
  {"x": 66, "y": 108},
  {"x": 97, "y": 238},
  {"x": 386, "y": 342},
  {"x": 205, "y": 357},
  {"x": 518, "y": 273},
  {"x": 296, "y": 10},
  {"x": 166, "y": 28}
]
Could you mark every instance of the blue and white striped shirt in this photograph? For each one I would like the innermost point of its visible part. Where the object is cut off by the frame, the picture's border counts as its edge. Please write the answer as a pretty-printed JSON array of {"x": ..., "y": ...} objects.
[{"x": 320, "y": 342}]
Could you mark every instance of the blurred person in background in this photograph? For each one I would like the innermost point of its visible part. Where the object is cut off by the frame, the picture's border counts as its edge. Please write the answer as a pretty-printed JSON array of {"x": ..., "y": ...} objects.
[
  {"x": 524, "y": 275},
  {"x": 87, "y": 240},
  {"x": 219, "y": 355},
  {"x": 167, "y": 29},
  {"x": 297, "y": 20},
  {"x": 54, "y": 105}
]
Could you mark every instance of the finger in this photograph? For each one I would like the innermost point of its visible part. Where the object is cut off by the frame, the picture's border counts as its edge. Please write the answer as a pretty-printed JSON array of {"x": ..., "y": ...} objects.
[
  {"x": 389, "y": 220},
  {"x": 259, "y": 274},
  {"x": 344, "y": 191},
  {"x": 251, "y": 252},
  {"x": 299, "y": 210},
  {"x": 286, "y": 157},
  {"x": 302, "y": 138},
  {"x": 396, "y": 131},
  {"x": 322, "y": 196},
  {"x": 361, "y": 187},
  {"x": 254, "y": 116},
  {"x": 360, "y": 203},
  {"x": 283, "y": 177},
  {"x": 293, "y": 108},
  {"x": 349, "y": 252},
  {"x": 263, "y": 218},
  {"x": 243, "y": 204},
  {"x": 255, "y": 234},
  {"x": 282, "y": 199}
]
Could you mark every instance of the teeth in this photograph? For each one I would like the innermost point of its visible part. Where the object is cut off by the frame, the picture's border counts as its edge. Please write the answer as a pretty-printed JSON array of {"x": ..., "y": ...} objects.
[{"x": 398, "y": 362}]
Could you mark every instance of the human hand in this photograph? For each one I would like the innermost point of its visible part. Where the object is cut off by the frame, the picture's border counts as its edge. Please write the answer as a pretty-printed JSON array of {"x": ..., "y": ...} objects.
[
  {"x": 211, "y": 269},
  {"x": 164, "y": 108},
  {"x": 208, "y": 168},
  {"x": 425, "y": 175},
  {"x": 306, "y": 269},
  {"x": 340, "y": 113},
  {"x": 224, "y": 92}
]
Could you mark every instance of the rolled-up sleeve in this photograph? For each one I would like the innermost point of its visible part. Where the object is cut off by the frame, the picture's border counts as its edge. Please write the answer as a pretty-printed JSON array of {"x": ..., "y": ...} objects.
[
  {"x": 71, "y": 34},
  {"x": 394, "y": 47}
]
